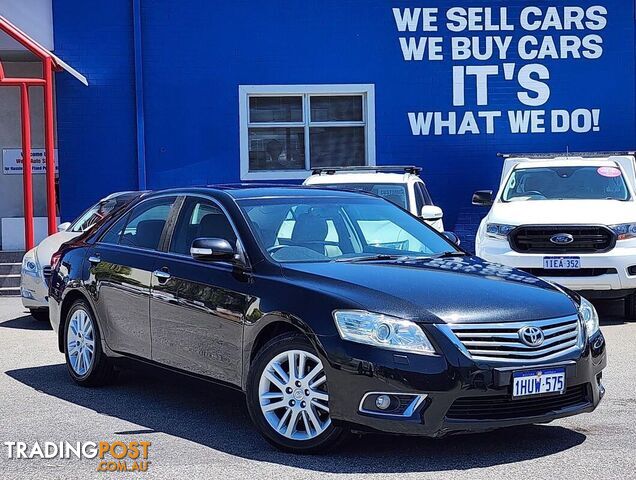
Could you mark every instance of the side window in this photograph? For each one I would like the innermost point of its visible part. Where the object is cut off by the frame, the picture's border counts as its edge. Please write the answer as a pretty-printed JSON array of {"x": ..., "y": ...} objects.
[
  {"x": 143, "y": 226},
  {"x": 425, "y": 195},
  {"x": 200, "y": 218},
  {"x": 419, "y": 198}
]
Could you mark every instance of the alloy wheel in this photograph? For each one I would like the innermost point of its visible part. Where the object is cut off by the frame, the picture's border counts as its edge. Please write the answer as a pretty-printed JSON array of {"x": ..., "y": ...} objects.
[
  {"x": 80, "y": 342},
  {"x": 293, "y": 395}
]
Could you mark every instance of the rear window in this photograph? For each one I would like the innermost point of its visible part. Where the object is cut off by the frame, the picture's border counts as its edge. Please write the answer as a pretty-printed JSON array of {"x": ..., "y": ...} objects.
[
  {"x": 98, "y": 212},
  {"x": 393, "y": 192}
]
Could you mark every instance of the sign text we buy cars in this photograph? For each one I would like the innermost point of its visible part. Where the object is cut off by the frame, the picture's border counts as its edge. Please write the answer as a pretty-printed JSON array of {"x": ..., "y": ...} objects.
[{"x": 517, "y": 46}]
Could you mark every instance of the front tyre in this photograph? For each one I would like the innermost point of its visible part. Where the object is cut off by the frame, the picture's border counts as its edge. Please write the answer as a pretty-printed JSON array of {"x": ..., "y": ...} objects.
[
  {"x": 85, "y": 360},
  {"x": 287, "y": 397}
]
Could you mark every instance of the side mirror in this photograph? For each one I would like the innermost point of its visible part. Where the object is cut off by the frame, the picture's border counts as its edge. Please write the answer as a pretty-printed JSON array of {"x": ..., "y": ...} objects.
[
  {"x": 452, "y": 237},
  {"x": 483, "y": 198},
  {"x": 63, "y": 227},
  {"x": 431, "y": 212},
  {"x": 212, "y": 249}
]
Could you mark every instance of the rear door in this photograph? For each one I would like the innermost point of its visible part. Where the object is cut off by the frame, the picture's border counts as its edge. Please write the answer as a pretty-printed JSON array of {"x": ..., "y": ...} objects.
[
  {"x": 197, "y": 308},
  {"x": 122, "y": 262}
]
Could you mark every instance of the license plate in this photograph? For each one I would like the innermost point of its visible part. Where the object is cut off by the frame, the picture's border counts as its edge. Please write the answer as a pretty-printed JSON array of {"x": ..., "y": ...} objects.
[
  {"x": 561, "y": 263},
  {"x": 536, "y": 382}
]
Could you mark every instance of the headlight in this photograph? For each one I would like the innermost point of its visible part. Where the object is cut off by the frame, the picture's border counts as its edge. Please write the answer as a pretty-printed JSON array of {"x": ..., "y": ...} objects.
[
  {"x": 382, "y": 331},
  {"x": 624, "y": 231},
  {"x": 30, "y": 264},
  {"x": 589, "y": 316},
  {"x": 498, "y": 230}
]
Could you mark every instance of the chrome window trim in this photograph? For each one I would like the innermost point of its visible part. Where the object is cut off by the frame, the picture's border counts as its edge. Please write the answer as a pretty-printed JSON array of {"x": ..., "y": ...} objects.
[{"x": 419, "y": 398}]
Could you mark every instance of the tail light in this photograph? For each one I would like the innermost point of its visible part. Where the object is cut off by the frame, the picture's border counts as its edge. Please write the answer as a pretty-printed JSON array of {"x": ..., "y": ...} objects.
[{"x": 55, "y": 261}]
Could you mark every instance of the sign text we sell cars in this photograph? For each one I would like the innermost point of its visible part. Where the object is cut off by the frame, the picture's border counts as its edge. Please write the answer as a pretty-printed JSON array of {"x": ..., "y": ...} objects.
[{"x": 484, "y": 45}]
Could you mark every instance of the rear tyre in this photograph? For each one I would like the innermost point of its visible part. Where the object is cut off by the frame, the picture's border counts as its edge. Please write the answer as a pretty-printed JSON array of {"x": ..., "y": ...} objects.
[
  {"x": 40, "y": 314},
  {"x": 288, "y": 399},
  {"x": 630, "y": 307},
  {"x": 85, "y": 360}
]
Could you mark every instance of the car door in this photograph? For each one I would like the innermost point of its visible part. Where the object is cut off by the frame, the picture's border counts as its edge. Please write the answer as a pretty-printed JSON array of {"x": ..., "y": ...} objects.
[
  {"x": 122, "y": 262},
  {"x": 197, "y": 308}
]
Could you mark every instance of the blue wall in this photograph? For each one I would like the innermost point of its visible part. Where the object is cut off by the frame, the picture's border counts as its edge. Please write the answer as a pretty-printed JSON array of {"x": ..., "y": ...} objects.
[{"x": 195, "y": 54}]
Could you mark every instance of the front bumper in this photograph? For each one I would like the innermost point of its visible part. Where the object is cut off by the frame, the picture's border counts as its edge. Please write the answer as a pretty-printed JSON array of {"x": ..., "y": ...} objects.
[
  {"x": 34, "y": 290},
  {"x": 619, "y": 259},
  {"x": 354, "y": 370}
]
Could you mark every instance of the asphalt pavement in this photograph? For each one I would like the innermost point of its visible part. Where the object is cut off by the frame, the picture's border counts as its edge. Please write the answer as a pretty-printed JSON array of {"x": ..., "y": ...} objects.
[{"x": 199, "y": 430}]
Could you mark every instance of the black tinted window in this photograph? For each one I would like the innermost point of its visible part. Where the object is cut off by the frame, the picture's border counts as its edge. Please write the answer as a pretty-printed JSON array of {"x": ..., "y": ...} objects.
[
  {"x": 200, "y": 218},
  {"x": 423, "y": 193},
  {"x": 143, "y": 225}
]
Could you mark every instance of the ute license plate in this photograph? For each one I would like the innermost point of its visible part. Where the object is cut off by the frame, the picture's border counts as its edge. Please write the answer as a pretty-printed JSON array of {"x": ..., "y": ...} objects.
[
  {"x": 537, "y": 382},
  {"x": 561, "y": 263}
]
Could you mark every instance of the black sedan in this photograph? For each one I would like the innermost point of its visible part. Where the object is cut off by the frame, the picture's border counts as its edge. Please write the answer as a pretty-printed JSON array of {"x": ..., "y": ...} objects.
[{"x": 334, "y": 311}]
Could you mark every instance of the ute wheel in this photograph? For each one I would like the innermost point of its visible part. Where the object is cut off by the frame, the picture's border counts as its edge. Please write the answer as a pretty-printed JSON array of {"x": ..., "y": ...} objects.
[
  {"x": 287, "y": 397},
  {"x": 40, "y": 314},
  {"x": 85, "y": 360},
  {"x": 630, "y": 307}
]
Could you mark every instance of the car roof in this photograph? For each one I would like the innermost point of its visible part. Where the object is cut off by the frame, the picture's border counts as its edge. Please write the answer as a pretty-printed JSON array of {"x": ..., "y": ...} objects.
[
  {"x": 362, "y": 177},
  {"x": 260, "y": 190}
]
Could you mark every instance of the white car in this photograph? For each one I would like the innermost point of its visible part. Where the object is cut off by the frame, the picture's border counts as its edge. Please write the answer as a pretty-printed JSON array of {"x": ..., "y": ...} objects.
[
  {"x": 36, "y": 262},
  {"x": 405, "y": 189},
  {"x": 569, "y": 219}
]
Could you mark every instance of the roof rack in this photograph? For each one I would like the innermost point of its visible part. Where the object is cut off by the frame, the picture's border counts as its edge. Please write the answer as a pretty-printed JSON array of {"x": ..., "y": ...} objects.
[
  {"x": 377, "y": 168},
  {"x": 565, "y": 154}
]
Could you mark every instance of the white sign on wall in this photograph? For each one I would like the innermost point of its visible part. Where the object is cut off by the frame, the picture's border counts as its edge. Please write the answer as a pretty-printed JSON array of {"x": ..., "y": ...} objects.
[{"x": 12, "y": 161}]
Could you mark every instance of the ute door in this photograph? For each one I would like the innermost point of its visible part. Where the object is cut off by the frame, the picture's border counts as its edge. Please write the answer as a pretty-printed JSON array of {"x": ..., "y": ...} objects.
[
  {"x": 198, "y": 307},
  {"x": 122, "y": 263}
]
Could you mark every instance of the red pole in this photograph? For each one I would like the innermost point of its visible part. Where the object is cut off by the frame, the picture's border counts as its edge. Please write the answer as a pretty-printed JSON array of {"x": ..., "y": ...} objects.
[
  {"x": 49, "y": 146},
  {"x": 27, "y": 180}
]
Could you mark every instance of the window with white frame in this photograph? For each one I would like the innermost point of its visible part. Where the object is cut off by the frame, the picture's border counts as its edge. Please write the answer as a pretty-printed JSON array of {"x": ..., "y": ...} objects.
[{"x": 288, "y": 130}]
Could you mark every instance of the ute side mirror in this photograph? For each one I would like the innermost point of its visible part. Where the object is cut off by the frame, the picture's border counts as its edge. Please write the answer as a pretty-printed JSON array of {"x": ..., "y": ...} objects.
[
  {"x": 483, "y": 198},
  {"x": 452, "y": 237},
  {"x": 209, "y": 249},
  {"x": 63, "y": 227},
  {"x": 431, "y": 212}
]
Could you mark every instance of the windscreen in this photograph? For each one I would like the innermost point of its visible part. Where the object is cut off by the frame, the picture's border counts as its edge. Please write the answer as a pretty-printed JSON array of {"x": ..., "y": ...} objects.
[
  {"x": 566, "y": 183},
  {"x": 333, "y": 228},
  {"x": 393, "y": 192}
]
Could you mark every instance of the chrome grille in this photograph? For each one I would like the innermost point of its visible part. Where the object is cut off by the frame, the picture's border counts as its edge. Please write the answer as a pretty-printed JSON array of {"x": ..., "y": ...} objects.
[{"x": 502, "y": 341}]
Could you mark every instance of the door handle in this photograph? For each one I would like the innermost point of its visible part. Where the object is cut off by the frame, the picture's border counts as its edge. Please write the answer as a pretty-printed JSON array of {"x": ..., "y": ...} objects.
[
  {"x": 161, "y": 275},
  {"x": 94, "y": 259}
]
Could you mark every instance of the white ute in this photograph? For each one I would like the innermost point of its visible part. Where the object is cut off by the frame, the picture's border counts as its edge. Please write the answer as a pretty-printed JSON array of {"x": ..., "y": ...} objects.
[
  {"x": 569, "y": 218},
  {"x": 406, "y": 189}
]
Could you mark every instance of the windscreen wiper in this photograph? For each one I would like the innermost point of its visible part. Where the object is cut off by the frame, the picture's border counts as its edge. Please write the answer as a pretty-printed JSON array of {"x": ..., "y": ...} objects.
[
  {"x": 371, "y": 258},
  {"x": 448, "y": 255}
]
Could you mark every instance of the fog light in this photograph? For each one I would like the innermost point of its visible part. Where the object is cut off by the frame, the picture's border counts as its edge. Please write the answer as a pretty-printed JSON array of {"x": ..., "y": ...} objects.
[
  {"x": 383, "y": 402},
  {"x": 391, "y": 404}
]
